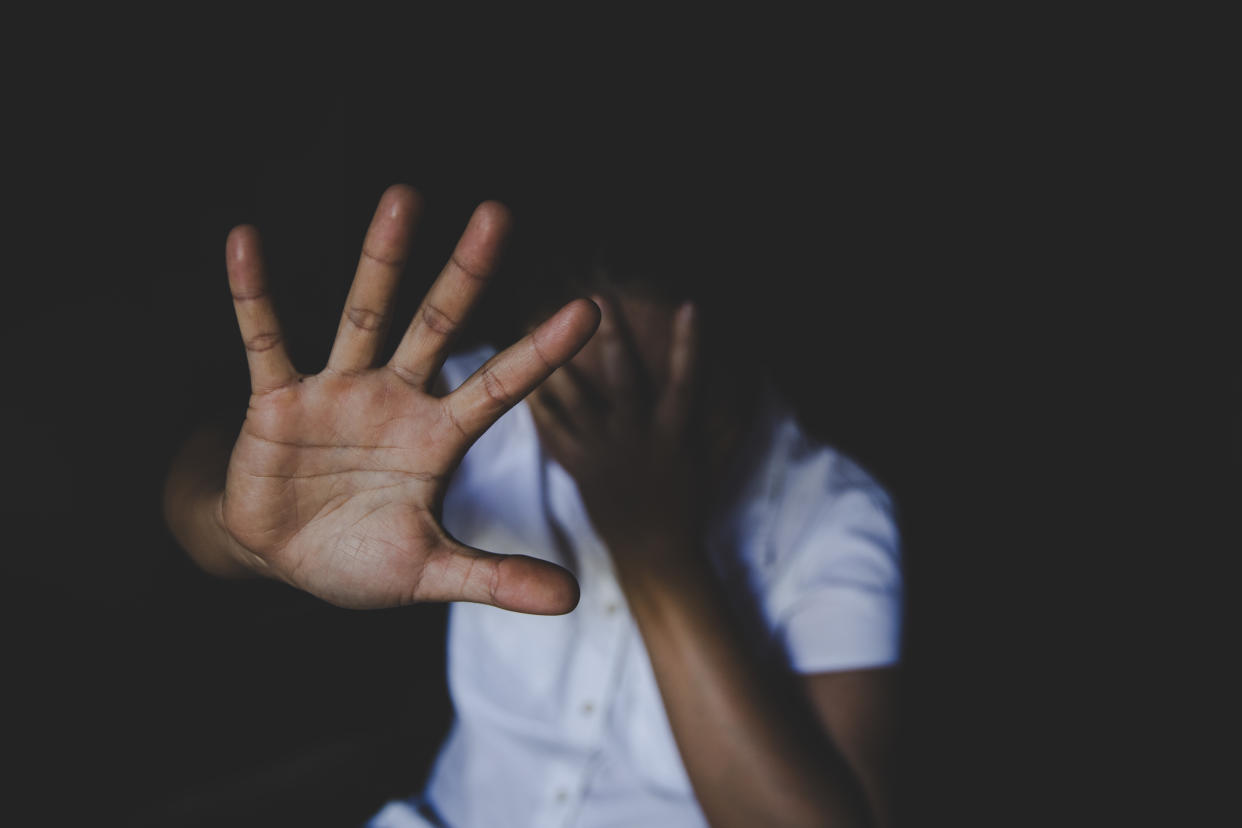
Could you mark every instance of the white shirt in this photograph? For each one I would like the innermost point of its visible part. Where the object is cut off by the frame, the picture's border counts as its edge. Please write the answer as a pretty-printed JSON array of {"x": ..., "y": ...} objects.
[{"x": 559, "y": 720}]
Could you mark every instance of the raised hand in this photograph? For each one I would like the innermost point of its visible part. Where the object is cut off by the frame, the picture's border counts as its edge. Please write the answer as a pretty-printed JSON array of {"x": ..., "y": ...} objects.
[{"x": 336, "y": 481}]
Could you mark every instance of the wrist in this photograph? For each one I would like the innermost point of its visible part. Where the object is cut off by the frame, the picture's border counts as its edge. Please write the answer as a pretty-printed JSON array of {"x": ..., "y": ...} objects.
[
  {"x": 193, "y": 501},
  {"x": 196, "y": 521},
  {"x": 238, "y": 560},
  {"x": 667, "y": 594},
  {"x": 209, "y": 543},
  {"x": 659, "y": 562}
]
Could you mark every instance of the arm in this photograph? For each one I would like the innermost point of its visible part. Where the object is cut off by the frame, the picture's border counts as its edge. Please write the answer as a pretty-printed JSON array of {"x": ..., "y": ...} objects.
[
  {"x": 813, "y": 750},
  {"x": 859, "y": 709},
  {"x": 192, "y": 493},
  {"x": 751, "y": 755},
  {"x": 335, "y": 481}
]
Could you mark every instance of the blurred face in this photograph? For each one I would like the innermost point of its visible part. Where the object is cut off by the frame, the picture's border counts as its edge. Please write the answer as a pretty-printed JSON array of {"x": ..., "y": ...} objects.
[{"x": 648, "y": 325}]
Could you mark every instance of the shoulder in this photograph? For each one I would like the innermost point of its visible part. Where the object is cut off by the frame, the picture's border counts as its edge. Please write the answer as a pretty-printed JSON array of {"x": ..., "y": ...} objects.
[
  {"x": 820, "y": 498},
  {"x": 798, "y": 488},
  {"x": 821, "y": 542},
  {"x": 809, "y": 463}
]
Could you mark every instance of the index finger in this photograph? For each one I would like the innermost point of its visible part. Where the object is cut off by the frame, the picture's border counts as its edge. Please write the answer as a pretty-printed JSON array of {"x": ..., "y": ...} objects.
[{"x": 509, "y": 376}]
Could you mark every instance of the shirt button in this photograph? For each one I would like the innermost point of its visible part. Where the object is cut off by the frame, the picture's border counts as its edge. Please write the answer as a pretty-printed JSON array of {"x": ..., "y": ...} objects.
[
  {"x": 562, "y": 795},
  {"x": 588, "y": 708},
  {"x": 611, "y": 608}
]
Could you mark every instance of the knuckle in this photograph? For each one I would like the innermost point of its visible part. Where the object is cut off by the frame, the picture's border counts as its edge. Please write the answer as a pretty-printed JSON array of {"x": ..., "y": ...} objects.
[
  {"x": 262, "y": 342},
  {"x": 365, "y": 319},
  {"x": 475, "y": 273},
  {"x": 454, "y": 422},
  {"x": 548, "y": 364},
  {"x": 495, "y": 389},
  {"x": 407, "y": 375},
  {"x": 383, "y": 258},
  {"x": 493, "y": 583},
  {"x": 437, "y": 320}
]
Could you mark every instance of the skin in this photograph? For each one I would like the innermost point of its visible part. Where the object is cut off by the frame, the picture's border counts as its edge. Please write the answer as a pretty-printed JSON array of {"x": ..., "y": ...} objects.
[
  {"x": 336, "y": 480},
  {"x": 621, "y": 419},
  {"x": 335, "y": 484}
]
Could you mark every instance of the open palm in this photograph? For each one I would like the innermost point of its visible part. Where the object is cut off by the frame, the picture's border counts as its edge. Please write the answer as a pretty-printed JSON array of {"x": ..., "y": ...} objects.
[{"x": 336, "y": 481}]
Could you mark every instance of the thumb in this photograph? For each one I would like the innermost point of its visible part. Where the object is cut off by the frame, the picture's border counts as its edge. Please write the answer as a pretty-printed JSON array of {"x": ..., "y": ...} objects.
[{"x": 456, "y": 572}]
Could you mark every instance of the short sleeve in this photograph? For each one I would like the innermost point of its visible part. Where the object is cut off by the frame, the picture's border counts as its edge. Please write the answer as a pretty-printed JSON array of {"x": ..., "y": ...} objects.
[{"x": 833, "y": 595}]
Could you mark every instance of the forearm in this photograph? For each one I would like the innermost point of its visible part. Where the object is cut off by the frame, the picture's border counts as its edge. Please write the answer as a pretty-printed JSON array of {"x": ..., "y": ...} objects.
[
  {"x": 751, "y": 760},
  {"x": 192, "y": 493}
]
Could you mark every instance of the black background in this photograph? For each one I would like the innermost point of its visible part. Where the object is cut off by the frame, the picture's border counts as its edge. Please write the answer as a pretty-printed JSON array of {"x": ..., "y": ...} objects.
[{"x": 907, "y": 218}]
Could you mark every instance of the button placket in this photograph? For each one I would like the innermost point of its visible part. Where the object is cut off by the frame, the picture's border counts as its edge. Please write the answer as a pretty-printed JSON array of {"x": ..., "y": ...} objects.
[
  {"x": 598, "y": 654},
  {"x": 593, "y": 671},
  {"x": 562, "y": 795}
]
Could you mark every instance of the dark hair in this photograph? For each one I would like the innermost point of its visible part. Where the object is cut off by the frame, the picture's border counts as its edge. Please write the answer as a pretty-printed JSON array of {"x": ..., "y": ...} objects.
[{"x": 669, "y": 252}]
